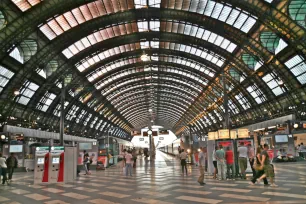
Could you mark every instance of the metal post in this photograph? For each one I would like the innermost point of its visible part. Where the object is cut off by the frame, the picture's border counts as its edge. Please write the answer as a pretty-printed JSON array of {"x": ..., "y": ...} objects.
[
  {"x": 62, "y": 118},
  {"x": 107, "y": 147},
  {"x": 225, "y": 103},
  {"x": 150, "y": 146}
]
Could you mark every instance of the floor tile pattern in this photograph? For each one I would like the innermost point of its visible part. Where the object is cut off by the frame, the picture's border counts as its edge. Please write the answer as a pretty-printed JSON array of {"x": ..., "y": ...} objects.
[{"x": 158, "y": 182}]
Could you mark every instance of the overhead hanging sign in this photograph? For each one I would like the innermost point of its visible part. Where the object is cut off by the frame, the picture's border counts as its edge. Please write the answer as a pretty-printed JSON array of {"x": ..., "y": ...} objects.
[
  {"x": 233, "y": 134},
  {"x": 243, "y": 133},
  {"x": 223, "y": 134},
  {"x": 211, "y": 136}
]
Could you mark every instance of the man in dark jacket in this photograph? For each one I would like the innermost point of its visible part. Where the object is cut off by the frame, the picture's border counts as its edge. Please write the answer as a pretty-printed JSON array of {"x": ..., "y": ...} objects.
[{"x": 11, "y": 163}]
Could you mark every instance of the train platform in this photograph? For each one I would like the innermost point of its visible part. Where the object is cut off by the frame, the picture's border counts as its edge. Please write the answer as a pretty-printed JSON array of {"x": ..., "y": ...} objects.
[{"x": 158, "y": 181}]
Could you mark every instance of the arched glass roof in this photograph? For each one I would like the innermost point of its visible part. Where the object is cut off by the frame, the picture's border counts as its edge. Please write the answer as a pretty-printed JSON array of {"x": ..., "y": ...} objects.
[{"x": 176, "y": 58}]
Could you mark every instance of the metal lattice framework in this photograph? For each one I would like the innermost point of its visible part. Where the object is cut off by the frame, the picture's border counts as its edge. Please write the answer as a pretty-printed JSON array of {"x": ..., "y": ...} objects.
[{"x": 96, "y": 45}]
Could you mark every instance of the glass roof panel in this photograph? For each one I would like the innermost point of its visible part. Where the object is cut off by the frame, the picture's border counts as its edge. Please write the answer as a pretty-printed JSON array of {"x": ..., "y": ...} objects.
[
  {"x": 207, "y": 36},
  {"x": 297, "y": 66},
  {"x": 221, "y": 11},
  {"x": 82, "y": 14},
  {"x": 25, "y": 5}
]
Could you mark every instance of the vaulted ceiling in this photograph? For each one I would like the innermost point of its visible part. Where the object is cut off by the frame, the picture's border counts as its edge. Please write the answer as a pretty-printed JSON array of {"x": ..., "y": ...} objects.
[{"x": 257, "y": 47}]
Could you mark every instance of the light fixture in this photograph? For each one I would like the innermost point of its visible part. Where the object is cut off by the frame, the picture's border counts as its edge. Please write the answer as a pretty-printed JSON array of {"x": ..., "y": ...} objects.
[
  {"x": 16, "y": 92},
  {"x": 296, "y": 125},
  {"x": 150, "y": 110},
  {"x": 144, "y": 57},
  {"x": 2, "y": 137},
  {"x": 150, "y": 132},
  {"x": 280, "y": 82}
]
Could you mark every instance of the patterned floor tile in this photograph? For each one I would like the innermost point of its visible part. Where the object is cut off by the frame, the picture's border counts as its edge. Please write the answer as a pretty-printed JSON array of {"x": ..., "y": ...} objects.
[
  {"x": 53, "y": 190},
  {"x": 243, "y": 197},
  {"x": 86, "y": 189},
  {"x": 116, "y": 195},
  {"x": 75, "y": 195},
  {"x": 55, "y": 202},
  {"x": 198, "y": 200},
  {"x": 20, "y": 191},
  {"x": 100, "y": 201},
  {"x": 37, "y": 196},
  {"x": 3, "y": 199},
  {"x": 150, "y": 201}
]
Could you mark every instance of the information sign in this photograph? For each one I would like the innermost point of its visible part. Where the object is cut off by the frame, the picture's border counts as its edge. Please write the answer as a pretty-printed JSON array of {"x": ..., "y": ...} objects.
[
  {"x": 223, "y": 134},
  {"x": 243, "y": 133},
  {"x": 233, "y": 134}
]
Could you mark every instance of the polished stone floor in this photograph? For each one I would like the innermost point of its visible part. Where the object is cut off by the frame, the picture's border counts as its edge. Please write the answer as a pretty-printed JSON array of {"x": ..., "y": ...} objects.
[{"x": 159, "y": 182}]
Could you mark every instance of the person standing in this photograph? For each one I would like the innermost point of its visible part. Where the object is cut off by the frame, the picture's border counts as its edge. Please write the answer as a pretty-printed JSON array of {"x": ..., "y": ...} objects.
[
  {"x": 85, "y": 162},
  {"x": 229, "y": 156},
  {"x": 220, "y": 156},
  {"x": 201, "y": 166},
  {"x": 128, "y": 163},
  {"x": 267, "y": 167},
  {"x": 242, "y": 159},
  {"x": 215, "y": 162},
  {"x": 183, "y": 157},
  {"x": 259, "y": 169},
  {"x": 11, "y": 163},
  {"x": 301, "y": 148},
  {"x": 251, "y": 156},
  {"x": 3, "y": 168}
]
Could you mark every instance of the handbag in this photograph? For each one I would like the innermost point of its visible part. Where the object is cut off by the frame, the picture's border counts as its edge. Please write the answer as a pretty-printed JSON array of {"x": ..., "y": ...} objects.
[
  {"x": 258, "y": 167},
  {"x": 123, "y": 170}
]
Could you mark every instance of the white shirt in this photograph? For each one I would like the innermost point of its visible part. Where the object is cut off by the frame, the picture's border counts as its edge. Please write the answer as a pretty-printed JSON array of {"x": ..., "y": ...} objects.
[
  {"x": 128, "y": 158},
  {"x": 2, "y": 163},
  {"x": 214, "y": 156},
  {"x": 202, "y": 159},
  {"x": 183, "y": 155},
  {"x": 243, "y": 151}
]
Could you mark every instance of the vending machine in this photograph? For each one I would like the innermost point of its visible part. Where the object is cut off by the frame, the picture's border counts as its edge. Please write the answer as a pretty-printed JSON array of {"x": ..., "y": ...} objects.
[
  {"x": 41, "y": 169},
  {"x": 56, "y": 162}
]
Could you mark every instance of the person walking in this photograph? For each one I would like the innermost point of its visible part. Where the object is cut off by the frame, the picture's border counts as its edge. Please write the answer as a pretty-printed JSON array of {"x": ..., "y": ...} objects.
[
  {"x": 11, "y": 163},
  {"x": 183, "y": 157},
  {"x": 85, "y": 162},
  {"x": 128, "y": 163},
  {"x": 202, "y": 157},
  {"x": 220, "y": 156},
  {"x": 259, "y": 170},
  {"x": 134, "y": 154},
  {"x": 229, "y": 156},
  {"x": 267, "y": 167},
  {"x": 251, "y": 156},
  {"x": 3, "y": 169},
  {"x": 215, "y": 162},
  {"x": 242, "y": 159}
]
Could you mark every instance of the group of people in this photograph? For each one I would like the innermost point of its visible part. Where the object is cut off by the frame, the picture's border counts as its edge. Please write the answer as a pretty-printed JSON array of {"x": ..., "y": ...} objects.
[
  {"x": 129, "y": 160},
  {"x": 223, "y": 161},
  {"x": 7, "y": 166},
  {"x": 202, "y": 155}
]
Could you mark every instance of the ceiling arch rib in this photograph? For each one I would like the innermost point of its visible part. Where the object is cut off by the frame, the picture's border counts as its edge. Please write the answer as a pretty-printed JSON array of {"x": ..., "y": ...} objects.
[
  {"x": 127, "y": 99},
  {"x": 116, "y": 66},
  {"x": 171, "y": 78},
  {"x": 20, "y": 28},
  {"x": 143, "y": 112},
  {"x": 180, "y": 106},
  {"x": 178, "y": 71}
]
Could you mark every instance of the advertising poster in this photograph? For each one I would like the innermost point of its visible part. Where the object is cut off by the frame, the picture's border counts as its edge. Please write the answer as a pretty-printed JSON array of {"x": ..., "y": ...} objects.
[
  {"x": 93, "y": 156},
  {"x": 102, "y": 159}
]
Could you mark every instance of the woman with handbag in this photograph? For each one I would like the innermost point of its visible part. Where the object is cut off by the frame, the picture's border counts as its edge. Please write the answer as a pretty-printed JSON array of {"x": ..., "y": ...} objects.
[{"x": 258, "y": 168}]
